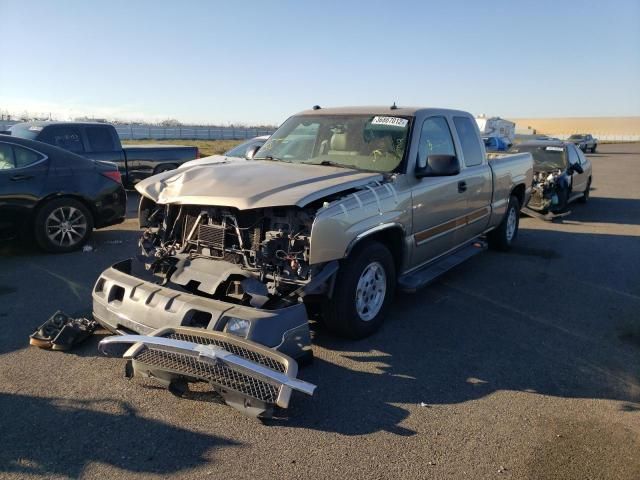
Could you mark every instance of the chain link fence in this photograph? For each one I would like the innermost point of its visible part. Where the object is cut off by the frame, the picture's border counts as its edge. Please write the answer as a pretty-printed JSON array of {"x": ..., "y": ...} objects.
[{"x": 142, "y": 132}]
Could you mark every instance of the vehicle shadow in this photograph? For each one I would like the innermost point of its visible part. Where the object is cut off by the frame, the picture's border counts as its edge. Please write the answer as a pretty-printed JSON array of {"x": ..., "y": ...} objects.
[
  {"x": 482, "y": 329},
  {"x": 34, "y": 285},
  {"x": 24, "y": 247},
  {"x": 607, "y": 210},
  {"x": 63, "y": 436},
  {"x": 431, "y": 352}
]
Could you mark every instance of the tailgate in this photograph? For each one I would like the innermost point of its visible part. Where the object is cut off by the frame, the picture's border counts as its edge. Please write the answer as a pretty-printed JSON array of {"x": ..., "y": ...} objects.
[{"x": 249, "y": 377}]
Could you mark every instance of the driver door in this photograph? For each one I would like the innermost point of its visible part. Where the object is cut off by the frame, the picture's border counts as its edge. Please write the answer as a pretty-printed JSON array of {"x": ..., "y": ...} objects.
[{"x": 438, "y": 202}]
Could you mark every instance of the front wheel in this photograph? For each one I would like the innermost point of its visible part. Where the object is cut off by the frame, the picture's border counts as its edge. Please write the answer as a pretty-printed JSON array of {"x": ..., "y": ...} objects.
[
  {"x": 363, "y": 291},
  {"x": 585, "y": 196},
  {"x": 503, "y": 237},
  {"x": 62, "y": 225}
]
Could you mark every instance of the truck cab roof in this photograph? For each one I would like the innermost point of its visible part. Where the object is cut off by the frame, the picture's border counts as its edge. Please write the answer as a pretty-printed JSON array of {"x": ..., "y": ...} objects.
[{"x": 381, "y": 110}]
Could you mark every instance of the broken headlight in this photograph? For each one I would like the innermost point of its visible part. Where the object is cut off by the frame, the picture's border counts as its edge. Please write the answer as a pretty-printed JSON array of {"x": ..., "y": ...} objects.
[{"x": 237, "y": 326}]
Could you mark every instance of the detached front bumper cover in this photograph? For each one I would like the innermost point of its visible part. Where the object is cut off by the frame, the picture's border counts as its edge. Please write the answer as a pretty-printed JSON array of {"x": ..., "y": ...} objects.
[{"x": 249, "y": 377}]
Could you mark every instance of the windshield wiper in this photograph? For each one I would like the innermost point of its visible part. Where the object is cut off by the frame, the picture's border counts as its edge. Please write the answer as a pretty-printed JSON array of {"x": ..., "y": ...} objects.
[
  {"x": 271, "y": 158},
  {"x": 329, "y": 163}
]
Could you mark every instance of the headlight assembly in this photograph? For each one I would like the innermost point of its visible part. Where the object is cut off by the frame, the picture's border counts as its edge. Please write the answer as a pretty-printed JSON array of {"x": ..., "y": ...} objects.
[{"x": 237, "y": 326}]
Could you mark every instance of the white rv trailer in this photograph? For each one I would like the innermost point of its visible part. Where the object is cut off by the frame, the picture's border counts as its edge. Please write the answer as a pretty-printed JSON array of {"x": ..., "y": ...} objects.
[{"x": 496, "y": 127}]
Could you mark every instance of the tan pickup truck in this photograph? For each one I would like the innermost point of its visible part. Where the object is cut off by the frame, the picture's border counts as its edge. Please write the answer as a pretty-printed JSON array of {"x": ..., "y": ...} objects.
[{"x": 338, "y": 208}]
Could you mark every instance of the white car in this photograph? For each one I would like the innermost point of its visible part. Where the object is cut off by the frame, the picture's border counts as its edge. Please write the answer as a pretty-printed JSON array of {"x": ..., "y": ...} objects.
[{"x": 236, "y": 153}]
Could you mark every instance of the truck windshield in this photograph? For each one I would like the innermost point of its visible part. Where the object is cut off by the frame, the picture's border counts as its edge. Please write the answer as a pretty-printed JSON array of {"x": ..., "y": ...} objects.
[
  {"x": 365, "y": 142},
  {"x": 576, "y": 137},
  {"x": 545, "y": 158}
]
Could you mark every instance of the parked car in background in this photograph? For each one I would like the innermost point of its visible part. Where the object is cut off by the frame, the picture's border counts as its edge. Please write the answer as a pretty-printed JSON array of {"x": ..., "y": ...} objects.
[
  {"x": 562, "y": 173},
  {"x": 244, "y": 151},
  {"x": 241, "y": 150},
  {"x": 495, "y": 144},
  {"x": 55, "y": 195},
  {"x": 584, "y": 141},
  {"x": 100, "y": 141}
]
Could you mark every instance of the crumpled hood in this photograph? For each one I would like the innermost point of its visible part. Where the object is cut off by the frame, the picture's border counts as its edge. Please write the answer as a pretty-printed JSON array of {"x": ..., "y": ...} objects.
[
  {"x": 251, "y": 184},
  {"x": 210, "y": 160}
]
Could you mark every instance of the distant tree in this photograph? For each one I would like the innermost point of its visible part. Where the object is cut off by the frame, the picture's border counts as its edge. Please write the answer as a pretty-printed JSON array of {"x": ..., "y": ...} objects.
[{"x": 170, "y": 122}]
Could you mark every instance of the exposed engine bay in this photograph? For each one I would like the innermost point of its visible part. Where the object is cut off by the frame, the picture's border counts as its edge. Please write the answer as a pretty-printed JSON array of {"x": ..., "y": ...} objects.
[
  {"x": 550, "y": 191},
  {"x": 257, "y": 257}
]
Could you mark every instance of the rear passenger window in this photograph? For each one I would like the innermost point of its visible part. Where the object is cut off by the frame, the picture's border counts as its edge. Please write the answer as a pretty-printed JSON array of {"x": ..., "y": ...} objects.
[
  {"x": 469, "y": 141},
  {"x": 25, "y": 157},
  {"x": 64, "y": 137},
  {"x": 435, "y": 139},
  {"x": 100, "y": 139},
  {"x": 6, "y": 157}
]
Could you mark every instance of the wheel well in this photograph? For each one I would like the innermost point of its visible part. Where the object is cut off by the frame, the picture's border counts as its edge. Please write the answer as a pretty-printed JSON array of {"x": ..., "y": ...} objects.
[
  {"x": 392, "y": 238},
  {"x": 163, "y": 167},
  {"x": 46, "y": 200},
  {"x": 518, "y": 192}
]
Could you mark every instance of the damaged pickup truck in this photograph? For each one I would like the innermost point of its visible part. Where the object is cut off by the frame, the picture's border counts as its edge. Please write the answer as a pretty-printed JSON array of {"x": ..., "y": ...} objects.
[{"x": 338, "y": 208}]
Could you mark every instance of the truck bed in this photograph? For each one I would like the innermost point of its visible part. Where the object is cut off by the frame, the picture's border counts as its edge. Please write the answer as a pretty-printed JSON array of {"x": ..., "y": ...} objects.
[{"x": 509, "y": 169}]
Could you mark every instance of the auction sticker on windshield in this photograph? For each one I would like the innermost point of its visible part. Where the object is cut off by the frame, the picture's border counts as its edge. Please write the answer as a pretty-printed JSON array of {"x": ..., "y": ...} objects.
[
  {"x": 390, "y": 121},
  {"x": 554, "y": 149}
]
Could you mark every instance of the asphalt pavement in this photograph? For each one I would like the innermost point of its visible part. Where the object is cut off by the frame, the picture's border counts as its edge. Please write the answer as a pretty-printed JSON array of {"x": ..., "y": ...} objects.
[{"x": 513, "y": 365}]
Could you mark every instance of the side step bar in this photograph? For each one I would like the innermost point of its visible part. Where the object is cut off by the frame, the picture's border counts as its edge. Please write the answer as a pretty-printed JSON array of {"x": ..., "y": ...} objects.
[{"x": 419, "y": 278}]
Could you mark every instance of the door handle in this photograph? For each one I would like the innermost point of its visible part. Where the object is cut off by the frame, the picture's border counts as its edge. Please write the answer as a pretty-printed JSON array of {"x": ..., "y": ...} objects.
[
  {"x": 462, "y": 186},
  {"x": 17, "y": 178}
]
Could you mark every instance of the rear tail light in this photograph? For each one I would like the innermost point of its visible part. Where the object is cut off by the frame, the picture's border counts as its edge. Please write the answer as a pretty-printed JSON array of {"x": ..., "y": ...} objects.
[{"x": 113, "y": 175}]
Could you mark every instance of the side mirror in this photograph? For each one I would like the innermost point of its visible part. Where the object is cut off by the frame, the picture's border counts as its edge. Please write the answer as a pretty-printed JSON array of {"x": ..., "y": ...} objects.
[
  {"x": 576, "y": 167},
  {"x": 251, "y": 151},
  {"x": 439, "y": 166}
]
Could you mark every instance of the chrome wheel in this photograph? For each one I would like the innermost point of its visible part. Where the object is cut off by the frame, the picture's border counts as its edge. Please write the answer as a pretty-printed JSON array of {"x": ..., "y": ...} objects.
[
  {"x": 66, "y": 226},
  {"x": 371, "y": 291},
  {"x": 512, "y": 223}
]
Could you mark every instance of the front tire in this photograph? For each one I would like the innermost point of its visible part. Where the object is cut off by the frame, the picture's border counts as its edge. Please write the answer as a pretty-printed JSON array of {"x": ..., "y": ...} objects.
[
  {"x": 585, "y": 196},
  {"x": 363, "y": 291},
  {"x": 503, "y": 237},
  {"x": 63, "y": 225}
]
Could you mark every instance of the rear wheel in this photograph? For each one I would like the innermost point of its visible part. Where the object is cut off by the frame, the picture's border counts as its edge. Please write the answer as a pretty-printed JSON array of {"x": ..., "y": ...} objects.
[
  {"x": 593, "y": 149},
  {"x": 502, "y": 237},
  {"x": 62, "y": 225},
  {"x": 363, "y": 291}
]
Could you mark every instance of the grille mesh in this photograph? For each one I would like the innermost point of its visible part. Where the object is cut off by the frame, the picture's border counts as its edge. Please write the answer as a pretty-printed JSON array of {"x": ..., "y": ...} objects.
[
  {"x": 231, "y": 348},
  {"x": 211, "y": 236},
  {"x": 218, "y": 373},
  {"x": 536, "y": 198}
]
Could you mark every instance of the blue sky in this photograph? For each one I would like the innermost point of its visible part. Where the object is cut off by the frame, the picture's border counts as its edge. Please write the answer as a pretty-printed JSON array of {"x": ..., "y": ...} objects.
[{"x": 258, "y": 62}]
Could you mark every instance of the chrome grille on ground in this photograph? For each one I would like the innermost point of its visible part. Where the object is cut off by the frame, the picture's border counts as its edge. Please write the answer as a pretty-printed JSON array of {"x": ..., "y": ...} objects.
[
  {"x": 218, "y": 373},
  {"x": 231, "y": 348}
]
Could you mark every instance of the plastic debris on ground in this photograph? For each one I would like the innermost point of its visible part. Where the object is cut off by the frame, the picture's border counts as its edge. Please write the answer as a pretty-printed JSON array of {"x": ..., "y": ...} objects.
[{"x": 62, "y": 332}]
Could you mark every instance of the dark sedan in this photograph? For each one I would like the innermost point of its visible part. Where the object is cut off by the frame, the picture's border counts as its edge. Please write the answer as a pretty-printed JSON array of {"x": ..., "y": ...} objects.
[{"x": 55, "y": 195}]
